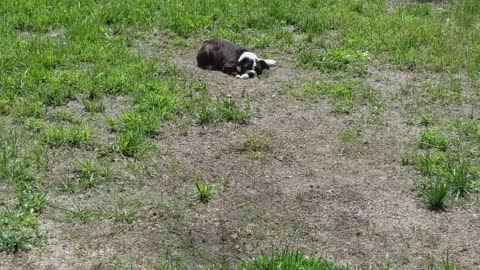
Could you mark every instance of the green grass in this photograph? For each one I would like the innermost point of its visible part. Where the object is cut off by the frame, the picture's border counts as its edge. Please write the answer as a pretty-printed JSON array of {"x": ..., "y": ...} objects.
[
  {"x": 435, "y": 194},
  {"x": 24, "y": 108},
  {"x": 124, "y": 215},
  {"x": 63, "y": 115},
  {"x": 446, "y": 264},
  {"x": 81, "y": 214},
  {"x": 290, "y": 260},
  {"x": 11, "y": 241},
  {"x": 459, "y": 177},
  {"x": 453, "y": 161},
  {"x": 33, "y": 124},
  {"x": 258, "y": 146},
  {"x": 230, "y": 111},
  {"x": 94, "y": 106},
  {"x": 351, "y": 137},
  {"x": 205, "y": 192},
  {"x": 447, "y": 177},
  {"x": 208, "y": 111},
  {"x": 67, "y": 186},
  {"x": 334, "y": 60},
  {"x": 428, "y": 119},
  {"x": 285, "y": 260},
  {"x": 19, "y": 221},
  {"x": 75, "y": 136},
  {"x": 448, "y": 92},
  {"x": 61, "y": 61},
  {"x": 432, "y": 139},
  {"x": 430, "y": 164},
  {"x": 344, "y": 96},
  {"x": 134, "y": 144},
  {"x": 90, "y": 174},
  {"x": 416, "y": 35}
]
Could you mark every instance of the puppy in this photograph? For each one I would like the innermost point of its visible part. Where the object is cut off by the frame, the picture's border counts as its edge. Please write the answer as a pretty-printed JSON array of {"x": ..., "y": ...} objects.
[{"x": 223, "y": 55}]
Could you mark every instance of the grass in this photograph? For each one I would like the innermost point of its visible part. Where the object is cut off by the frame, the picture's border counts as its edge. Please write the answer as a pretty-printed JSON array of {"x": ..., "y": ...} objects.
[
  {"x": 210, "y": 112},
  {"x": 205, "y": 192},
  {"x": 459, "y": 177},
  {"x": 124, "y": 215},
  {"x": 344, "y": 96},
  {"x": 453, "y": 159},
  {"x": 62, "y": 62},
  {"x": 351, "y": 136},
  {"x": 75, "y": 136},
  {"x": 429, "y": 164},
  {"x": 94, "y": 106},
  {"x": 289, "y": 260},
  {"x": 427, "y": 37},
  {"x": 442, "y": 93},
  {"x": 450, "y": 165},
  {"x": 89, "y": 173},
  {"x": 446, "y": 264},
  {"x": 134, "y": 144},
  {"x": 33, "y": 124},
  {"x": 432, "y": 139},
  {"x": 67, "y": 186},
  {"x": 257, "y": 146},
  {"x": 19, "y": 221},
  {"x": 81, "y": 214},
  {"x": 19, "y": 230},
  {"x": 428, "y": 119},
  {"x": 14, "y": 241},
  {"x": 435, "y": 194},
  {"x": 446, "y": 176},
  {"x": 63, "y": 115},
  {"x": 231, "y": 112},
  {"x": 334, "y": 60}
]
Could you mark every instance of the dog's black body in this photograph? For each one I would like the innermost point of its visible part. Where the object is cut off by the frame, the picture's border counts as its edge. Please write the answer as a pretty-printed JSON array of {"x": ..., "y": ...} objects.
[
  {"x": 218, "y": 54},
  {"x": 229, "y": 58}
]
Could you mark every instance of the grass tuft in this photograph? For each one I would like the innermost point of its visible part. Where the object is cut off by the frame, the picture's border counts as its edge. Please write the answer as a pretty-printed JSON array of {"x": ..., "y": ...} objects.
[
  {"x": 133, "y": 144},
  {"x": 459, "y": 177},
  {"x": 289, "y": 260},
  {"x": 205, "y": 192},
  {"x": 81, "y": 214},
  {"x": 14, "y": 241},
  {"x": 125, "y": 215},
  {"x": 94, "y": 106},
  {"x": 90, "y": 174},
  {"x": 75, "y": 136},
  {"x": 432, "y": 139},
  {"x": 435, "y": 194},
  {"x": 231, "y": 112},
  {"x": 257, "y": 146}
]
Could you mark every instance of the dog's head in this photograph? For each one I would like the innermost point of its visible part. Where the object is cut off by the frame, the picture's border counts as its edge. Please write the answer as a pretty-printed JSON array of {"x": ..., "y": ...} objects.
[{"x": 250, "y": 64}]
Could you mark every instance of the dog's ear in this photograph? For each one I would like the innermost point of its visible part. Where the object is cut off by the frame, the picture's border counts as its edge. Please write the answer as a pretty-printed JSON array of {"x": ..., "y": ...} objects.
[
  {"x": 263, "y": 64},
  {"x": 244, "y": 61}
]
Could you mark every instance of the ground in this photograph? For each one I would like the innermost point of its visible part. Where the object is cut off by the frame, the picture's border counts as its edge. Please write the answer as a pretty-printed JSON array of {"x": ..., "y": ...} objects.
[{"x": 299, "y": 173}]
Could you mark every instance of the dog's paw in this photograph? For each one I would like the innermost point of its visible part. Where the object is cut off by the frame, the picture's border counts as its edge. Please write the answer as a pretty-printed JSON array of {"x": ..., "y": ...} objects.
[{"x": 243, "y": 76}]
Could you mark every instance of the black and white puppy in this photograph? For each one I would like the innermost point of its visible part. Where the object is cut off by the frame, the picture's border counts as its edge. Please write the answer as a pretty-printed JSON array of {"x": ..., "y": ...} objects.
[{"x": 223, "y": 55}]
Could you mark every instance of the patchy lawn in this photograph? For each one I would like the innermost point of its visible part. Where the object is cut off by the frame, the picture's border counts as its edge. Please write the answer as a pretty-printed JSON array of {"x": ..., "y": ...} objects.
[{"x": 361, "y": 148}]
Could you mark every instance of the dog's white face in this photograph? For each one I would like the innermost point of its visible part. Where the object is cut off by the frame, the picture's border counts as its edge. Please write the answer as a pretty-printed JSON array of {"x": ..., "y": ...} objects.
[{"x": 249, "y": 65}]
